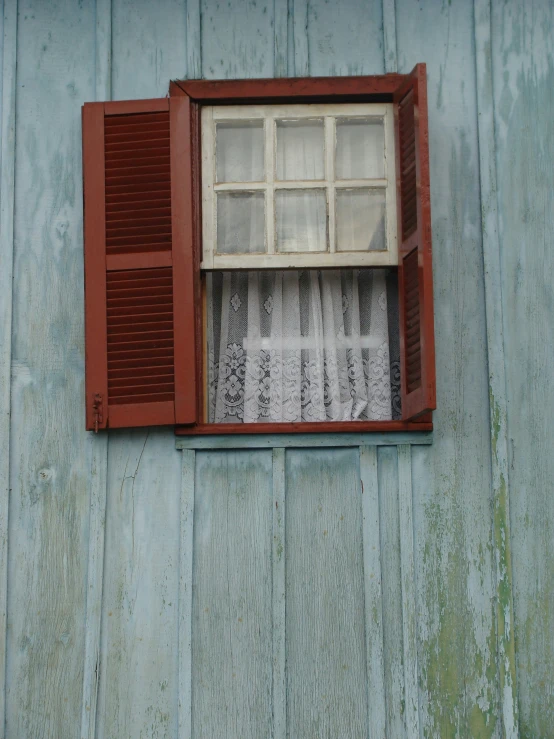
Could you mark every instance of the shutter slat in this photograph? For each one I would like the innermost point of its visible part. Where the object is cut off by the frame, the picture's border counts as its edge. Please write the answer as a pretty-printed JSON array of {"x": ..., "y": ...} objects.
[
  {"x": 120, "y": 121},
  {"x": 138, "y": 215},
  {"x": 414, "y": 232},
  {"x": 133, "y": 198},
  {"x": 128, "y": 375}
]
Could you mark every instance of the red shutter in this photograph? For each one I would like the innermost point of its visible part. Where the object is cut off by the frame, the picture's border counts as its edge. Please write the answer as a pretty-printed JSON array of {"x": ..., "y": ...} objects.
[
  {"x": 415, "y": 279},
  {"x": 139, "y": 269}
]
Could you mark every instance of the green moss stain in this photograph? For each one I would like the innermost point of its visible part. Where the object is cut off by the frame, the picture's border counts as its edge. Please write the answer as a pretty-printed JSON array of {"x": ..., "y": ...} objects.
[{"x": 501, "y": 541}]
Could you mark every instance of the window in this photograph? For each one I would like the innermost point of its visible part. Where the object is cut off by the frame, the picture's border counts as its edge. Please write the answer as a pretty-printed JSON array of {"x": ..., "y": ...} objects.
[
  {"x": 302, "y": 204},
  {"x": 298, "y": 186}
]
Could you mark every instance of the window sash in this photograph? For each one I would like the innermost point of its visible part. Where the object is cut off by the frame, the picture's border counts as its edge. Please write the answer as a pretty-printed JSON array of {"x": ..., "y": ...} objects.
[{"x": 270, "y": 259}]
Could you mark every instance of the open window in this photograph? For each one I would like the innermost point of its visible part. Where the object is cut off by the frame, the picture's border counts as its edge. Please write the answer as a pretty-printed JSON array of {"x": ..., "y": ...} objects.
[{"x": 258, "y": 257}]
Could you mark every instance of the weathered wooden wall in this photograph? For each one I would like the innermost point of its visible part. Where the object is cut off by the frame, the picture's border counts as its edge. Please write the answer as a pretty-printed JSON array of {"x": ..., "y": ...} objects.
[{"x": 103, "y": 540}]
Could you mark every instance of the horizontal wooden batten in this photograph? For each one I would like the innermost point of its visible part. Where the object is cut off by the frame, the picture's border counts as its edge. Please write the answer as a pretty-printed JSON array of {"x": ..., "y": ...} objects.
[
  {"x": 302, "y": 440},
  {"x": 317, "y": 427}
]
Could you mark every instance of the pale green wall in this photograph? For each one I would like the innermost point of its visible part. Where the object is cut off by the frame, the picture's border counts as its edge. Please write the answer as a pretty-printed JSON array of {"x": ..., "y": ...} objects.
[{"x": 79, "y": 600}]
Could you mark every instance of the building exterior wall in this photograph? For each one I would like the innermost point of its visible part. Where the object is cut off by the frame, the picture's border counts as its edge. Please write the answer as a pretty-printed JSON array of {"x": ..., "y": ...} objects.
[{"x": 99, "y": 543}]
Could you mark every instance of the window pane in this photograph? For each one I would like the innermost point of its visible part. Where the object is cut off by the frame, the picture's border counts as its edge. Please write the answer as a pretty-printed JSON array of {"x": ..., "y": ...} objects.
[
  {"x": 301, "y": 220},
  {"x": 301, "y": 345},
  {"x": 240, "y": 151},
  {"x": 361, "y": 220},
  {"x": 360, "y": 149},
  {"x": 300, "y": 150},
  {"x": 240, "y": 223}
]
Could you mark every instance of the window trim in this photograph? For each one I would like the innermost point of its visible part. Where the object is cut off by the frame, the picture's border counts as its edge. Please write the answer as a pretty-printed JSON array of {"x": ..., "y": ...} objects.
[{"x": 378, "y": 88}]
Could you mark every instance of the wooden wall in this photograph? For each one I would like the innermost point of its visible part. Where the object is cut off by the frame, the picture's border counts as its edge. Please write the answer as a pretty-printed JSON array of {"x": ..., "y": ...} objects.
[{"x": 126, "y": 564}]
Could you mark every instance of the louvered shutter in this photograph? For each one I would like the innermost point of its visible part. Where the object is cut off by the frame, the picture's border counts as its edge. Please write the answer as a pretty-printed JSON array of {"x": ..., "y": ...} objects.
[
  {"x": 415, "y": 280},
  {"x": 139, "y": 267}
]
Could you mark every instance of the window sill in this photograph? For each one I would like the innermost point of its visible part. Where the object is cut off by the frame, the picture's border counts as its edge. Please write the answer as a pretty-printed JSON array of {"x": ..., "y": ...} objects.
[{"x": 267, "y": 436}]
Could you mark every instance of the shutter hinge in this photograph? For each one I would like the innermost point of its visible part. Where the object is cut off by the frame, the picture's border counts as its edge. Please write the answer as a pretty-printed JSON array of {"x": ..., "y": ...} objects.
[{"x": 98, "y": 410}]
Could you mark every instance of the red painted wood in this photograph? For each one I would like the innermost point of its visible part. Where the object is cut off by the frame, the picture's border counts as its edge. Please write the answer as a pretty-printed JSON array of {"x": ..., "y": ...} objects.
[
  {"x": 184, "y": 273},
  {"x": 133, "y": 415},
  {"x": 128, "y": 107},
  {"x": 96, "y": 369},
  {"x": 140, "y": 343},
  {"x": 146, "y": 234},
  {"x": 139, "y": 261},
  {"x": 331, "y": 89},
  {"x": 415, "y": 279},
  {"x": 292, "y": 428}
]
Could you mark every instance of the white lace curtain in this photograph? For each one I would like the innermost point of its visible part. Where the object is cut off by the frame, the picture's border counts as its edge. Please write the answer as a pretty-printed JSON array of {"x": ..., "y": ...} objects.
[{"x": 289, "y": 346}]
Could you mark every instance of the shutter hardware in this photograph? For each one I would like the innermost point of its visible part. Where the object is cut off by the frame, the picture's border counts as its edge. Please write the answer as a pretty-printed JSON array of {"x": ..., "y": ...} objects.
[{"x": 97, "y": 409}]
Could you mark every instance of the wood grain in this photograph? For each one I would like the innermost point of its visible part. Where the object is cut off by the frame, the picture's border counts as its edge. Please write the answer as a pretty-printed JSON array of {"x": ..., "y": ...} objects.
[
  {"x": 186, "y": 546},
  {"x": 140, "y": 628},
  {"x": 452, "y": 484},
  {"x": 49, "y": 477},
  {"x": 8, "y": 56},
  {"x": 325, "y": 625},
  {"x": 232, "y": 603},
  {"x": 501, "y": 545},
  {"x": 523, "y": 78},
  {"x": 392, "y": 589},
  {"x": 279, "y": 691},
  {"x": 373, "y": 593}
]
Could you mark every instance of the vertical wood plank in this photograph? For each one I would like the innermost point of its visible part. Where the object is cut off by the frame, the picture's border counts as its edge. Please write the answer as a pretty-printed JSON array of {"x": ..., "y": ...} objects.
[
  {"x": 103, "y": 50},
  {"x": 325, "y": 624},
  {"x": 280, "y": 30},
  {"x": 339, "y": 38},
  {"x": 278, "y": 597},
  {"x": 149, "y": 46},
  {"x": 300, "y": 38},
  {"x": 373, "y": 594},
  {"x": 409, "y": 615},
  {"x": 140, "y": 620},
  {"x": 522, "y": 47},
  {"x": 194, "y": 40},
  {"x": 452, "y": 479},
  {"x": 392, "y": 589},
  {"x": 97, "y": 452},
  {"x": 185, "y": 595},
  {"x": 389, "y": 36},
  {"x": 238, "y": 39},
  {"x": 50, "y": 472},
  {"x": 501, "y": 543},
  {"x": 97, "y": 448},
  {"x": 232, "y": 655},
  {"x": 8, "y": 55}
]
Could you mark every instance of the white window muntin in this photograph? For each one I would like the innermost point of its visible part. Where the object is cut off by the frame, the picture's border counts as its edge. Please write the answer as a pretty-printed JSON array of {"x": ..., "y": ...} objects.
[{"x": 269, "y": 114}]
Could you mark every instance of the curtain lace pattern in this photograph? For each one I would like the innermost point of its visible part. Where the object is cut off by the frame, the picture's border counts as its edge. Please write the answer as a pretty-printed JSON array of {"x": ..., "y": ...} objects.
[{"x": 291, "y": 346}]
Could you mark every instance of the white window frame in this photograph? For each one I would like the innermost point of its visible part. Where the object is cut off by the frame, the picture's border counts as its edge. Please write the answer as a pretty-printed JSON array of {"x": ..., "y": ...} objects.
[{"x": 211, "y": 115}]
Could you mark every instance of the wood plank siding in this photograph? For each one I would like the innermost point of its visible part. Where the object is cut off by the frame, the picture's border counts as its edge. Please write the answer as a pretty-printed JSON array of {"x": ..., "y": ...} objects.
[{"x": 372, "y": 585}]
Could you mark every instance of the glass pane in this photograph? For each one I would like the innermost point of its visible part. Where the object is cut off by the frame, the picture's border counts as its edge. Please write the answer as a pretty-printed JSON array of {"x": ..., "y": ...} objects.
[
  {"x": 240, "y": 151},
  {"x": 361, "y": 220},
  {"x": 240, "y": 223},
  {"x": 302, "y": 345},
  {"x": 301, "y": 220},
  {"x": 300, "y": 150},
  {"x": 360, "y": 149}
]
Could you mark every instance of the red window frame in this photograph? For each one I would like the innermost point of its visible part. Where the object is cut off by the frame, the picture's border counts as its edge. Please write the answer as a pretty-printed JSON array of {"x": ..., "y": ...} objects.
[
  {"x": 370, "y": 89},
  {"x": 142, "y": 227}
]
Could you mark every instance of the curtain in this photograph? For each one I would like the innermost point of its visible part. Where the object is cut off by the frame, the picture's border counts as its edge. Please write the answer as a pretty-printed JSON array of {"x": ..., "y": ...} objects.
[{"x": 289, "y": 346}]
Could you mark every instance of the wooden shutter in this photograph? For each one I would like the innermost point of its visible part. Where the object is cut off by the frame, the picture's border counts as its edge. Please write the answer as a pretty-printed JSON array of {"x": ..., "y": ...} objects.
[
  {"x": 139, "y": 269},
  {"x": 415, "y": 279}
]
